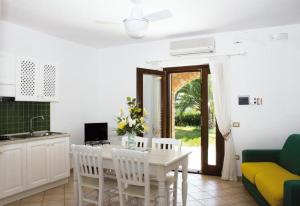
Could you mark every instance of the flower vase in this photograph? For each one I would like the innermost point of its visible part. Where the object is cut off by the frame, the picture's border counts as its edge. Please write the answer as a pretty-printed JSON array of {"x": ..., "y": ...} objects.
[{"x": 131, "y": 140}]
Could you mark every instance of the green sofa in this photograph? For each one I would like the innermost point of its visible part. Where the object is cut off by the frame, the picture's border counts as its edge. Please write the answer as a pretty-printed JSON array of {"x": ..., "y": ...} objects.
[{"x": 262, "y": 168}]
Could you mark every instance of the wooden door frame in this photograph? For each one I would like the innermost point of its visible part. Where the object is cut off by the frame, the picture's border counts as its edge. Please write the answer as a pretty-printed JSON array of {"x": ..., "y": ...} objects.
[
  {"x": 204, "y": 71},
  {"x": 140, "y": 94}
]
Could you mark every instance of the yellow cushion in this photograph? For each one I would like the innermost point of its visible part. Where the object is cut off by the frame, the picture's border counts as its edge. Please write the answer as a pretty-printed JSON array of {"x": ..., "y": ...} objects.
[
  {"x": 270, "y": 184},
  {"x": 251, "y": 169}
]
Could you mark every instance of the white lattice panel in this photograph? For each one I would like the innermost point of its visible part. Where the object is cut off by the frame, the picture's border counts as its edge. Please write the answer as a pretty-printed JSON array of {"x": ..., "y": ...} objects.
[
  {"x": 36, "y": 82},
  {"x": 49, "y": 81},
  {"x": 26, "y": 80}
]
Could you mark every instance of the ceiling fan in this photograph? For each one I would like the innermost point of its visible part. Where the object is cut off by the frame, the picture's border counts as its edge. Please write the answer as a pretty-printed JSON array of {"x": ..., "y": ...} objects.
[{"x": 137, "y": 23}]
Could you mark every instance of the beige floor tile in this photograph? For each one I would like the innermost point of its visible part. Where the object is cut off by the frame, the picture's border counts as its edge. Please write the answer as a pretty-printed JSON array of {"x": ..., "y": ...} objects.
[
  {"x": 228, "y": 200},
  {"x": 53, "y": 203},
  {"x": 17, "y": 203},
  {"x": 202, "y": 191},
  {"x": 55, "y": 191},
  {"x": 70, "y": 203},
  {"x": 200, "y": 195},
  {"x": 55, "y": 197},
  {"x": 248, "y": 203},
  {"x": 31, "y": 204},
  {"x": 35, "y": 199},
  {"x": 69, "y": 196},
  {"x": 194, "y": 203}
]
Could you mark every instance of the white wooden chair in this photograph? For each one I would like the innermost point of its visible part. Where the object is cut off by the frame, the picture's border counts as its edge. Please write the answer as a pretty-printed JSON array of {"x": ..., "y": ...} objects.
[
  {"x": 89, "y": 174},
  {"x": 169, "y": 144},
  {"x": 140, "y": 142},
  {"x": 166, "y": 144},
  {"x": 132, "y": 170}
]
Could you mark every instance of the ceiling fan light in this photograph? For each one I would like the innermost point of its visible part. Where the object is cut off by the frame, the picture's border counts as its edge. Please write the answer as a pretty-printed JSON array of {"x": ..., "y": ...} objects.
[{"x": 136, "y": 28}]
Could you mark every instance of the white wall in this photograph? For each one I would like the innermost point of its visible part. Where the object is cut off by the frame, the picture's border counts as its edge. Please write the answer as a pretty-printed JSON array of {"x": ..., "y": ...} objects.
[
  {"x": 269, "y": 70},
  {"x": 77, "y": 66},
  {"x": 94, "y": 83}
]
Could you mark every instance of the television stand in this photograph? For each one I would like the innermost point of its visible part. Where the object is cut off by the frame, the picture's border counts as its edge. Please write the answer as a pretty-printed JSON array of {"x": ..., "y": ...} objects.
[{"x": 100, "y": 142}]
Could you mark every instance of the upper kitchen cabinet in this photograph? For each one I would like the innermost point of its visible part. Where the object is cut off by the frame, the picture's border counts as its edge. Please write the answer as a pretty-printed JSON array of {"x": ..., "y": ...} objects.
[
  {"x": 7, "y": 75},
  {"x": 36, "y": 81},
  {"x": 49, "y": 82}
]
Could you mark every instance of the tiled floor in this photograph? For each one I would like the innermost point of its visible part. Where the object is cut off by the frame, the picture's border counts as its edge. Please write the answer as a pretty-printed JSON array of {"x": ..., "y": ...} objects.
[{"x": 202, "y": 191}]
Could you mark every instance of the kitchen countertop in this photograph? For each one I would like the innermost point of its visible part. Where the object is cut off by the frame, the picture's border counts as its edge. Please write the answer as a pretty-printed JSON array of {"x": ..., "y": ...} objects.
[{"x": 31, "y": 139}]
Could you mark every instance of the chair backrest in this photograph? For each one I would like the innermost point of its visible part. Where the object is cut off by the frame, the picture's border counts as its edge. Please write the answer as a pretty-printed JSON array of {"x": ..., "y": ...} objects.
[
  {"x": 166, "y": 144},
  {"x": 132, "y": 167},
  {"x": 140, "y": 142},
  {"x": 290, "y": 153},
  {"x": 88, "y": 161}
]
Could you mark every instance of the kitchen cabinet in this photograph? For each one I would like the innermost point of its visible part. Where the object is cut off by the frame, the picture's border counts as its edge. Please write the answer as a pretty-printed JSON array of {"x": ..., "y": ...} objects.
[
  {"x": 33, "y": 164},
  {"x": 37, "y": 163},
  {"x": 36, "y": 81},
  {"x": 12, "y": 169},
  {"x": 59, "y": 159},
  {"x": 7, "y": 75}
]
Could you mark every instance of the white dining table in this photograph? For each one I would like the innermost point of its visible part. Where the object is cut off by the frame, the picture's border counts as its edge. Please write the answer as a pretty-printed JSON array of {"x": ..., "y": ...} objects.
[{"x": 161, "y": 162}]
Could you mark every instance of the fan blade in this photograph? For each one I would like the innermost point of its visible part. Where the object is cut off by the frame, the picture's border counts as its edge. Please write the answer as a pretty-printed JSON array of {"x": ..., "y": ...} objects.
[
  {"x": 107, "y": 22},
  {"x": 159, "y": 15}
]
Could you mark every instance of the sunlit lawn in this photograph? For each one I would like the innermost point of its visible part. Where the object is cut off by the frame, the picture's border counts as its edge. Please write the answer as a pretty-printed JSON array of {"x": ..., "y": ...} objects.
[{"x": 190, "y": 136}]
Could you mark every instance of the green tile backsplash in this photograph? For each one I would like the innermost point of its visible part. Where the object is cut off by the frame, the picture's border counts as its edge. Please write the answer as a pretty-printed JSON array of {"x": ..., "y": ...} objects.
[{"x": 15, "y": 116}]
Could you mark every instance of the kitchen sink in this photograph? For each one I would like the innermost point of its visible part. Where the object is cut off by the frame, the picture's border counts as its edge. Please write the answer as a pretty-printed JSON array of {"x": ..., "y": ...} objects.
[
  {"x": 43, "y": 134},
  {"x": 28, "y": 135}
]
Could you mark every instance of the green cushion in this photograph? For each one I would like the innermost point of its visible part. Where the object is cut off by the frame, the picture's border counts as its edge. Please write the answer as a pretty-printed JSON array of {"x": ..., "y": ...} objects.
[{"x": 289, "y": 157}]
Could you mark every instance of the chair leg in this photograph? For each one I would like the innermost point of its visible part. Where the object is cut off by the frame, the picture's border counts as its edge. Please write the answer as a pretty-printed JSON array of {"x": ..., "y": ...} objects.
[
  {"x": 168, "y": 195},
  {"x": 147, "y": 202},
  {"x": 175, "y": 188},
  {"x": 100, "y": 196},
  {"x": 79, "y": 196},
  {"x": 121, "y": 199}
]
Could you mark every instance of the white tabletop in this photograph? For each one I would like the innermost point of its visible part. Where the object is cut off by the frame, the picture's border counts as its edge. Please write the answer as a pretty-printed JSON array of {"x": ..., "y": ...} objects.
[{"x": 156, "y": 157}]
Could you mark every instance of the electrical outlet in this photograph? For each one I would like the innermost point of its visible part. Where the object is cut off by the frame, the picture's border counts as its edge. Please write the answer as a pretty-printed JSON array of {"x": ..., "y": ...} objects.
[
  {"x": 237, "y": 157},
  {"x": 235, "y": 124}
]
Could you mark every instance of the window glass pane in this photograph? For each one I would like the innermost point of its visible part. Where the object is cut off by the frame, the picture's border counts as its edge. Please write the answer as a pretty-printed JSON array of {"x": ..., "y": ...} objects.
[{"x": 152, "y": 104}]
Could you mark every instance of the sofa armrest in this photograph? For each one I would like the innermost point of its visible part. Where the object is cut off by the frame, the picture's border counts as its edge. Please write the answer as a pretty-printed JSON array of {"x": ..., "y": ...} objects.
[
  {"x": 291, "y": 193},
  {"x": 260, "y": 155}
]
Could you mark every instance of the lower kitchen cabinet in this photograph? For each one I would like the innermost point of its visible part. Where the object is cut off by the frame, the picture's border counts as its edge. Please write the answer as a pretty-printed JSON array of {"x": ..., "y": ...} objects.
[
  {"x": 38, "y": 163},
  {"x": 12, "y": 169},
  {"x": 33, "y": 164},
  {"x": 59, "y": 159}
]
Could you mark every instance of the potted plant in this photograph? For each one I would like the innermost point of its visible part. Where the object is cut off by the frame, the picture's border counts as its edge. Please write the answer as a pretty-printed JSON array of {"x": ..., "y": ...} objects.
[{"x": 133, "y": 123}]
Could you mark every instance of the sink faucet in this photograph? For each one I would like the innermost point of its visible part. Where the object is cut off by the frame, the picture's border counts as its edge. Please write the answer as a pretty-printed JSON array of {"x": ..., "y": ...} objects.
[{"x": 31, "y": 119}]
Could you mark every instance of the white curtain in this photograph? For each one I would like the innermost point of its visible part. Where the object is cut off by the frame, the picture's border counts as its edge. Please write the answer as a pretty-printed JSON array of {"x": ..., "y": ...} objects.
[{"x": 218, "y": 67}]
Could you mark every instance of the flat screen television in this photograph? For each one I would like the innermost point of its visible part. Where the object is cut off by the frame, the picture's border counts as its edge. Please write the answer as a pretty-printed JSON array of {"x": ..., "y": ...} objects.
[{"x": 95, "y": 131}]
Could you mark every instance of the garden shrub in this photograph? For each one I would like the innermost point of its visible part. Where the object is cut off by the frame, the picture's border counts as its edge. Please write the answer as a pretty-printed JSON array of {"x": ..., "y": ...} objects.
[{"x": 188, "y": 119}]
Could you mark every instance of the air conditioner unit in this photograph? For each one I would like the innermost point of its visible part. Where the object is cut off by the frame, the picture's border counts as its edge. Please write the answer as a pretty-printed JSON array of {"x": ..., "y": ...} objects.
[{"x": 192, "y": 46}]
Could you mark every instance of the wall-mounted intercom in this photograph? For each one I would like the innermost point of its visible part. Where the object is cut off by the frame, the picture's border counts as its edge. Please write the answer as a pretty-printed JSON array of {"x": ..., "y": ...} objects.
[{"x": 247, "y": 100}]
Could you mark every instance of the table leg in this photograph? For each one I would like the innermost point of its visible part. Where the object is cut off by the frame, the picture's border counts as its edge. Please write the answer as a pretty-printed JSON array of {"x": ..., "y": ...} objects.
[
  {"x": 162, "y": 196},
  {"x": 76, "y": 192},
  {"x": 185, "y": 163},
  {"x": 162, "y": 193}
]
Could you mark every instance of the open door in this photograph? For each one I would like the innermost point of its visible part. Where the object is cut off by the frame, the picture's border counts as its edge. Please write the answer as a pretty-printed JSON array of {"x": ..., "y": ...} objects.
[
  {"x": 190, "y": 117},
  {"x": 151, "y": 97},
  {"x": 157, "y": 92}
]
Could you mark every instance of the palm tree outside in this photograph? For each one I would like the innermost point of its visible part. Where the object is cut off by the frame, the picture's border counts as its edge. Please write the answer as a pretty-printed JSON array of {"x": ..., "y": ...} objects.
[{"x": 188, "y": 113}]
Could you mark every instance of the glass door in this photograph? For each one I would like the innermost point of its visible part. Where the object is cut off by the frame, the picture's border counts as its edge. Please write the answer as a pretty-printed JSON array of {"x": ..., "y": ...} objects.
[
  {"x": 185, "y": 114},
  {"x": 151, "y": 97},
  {"x": 212, "y": 142},
  {"x": 178, "y": 102},
  {"x": 190, "y": 117}
]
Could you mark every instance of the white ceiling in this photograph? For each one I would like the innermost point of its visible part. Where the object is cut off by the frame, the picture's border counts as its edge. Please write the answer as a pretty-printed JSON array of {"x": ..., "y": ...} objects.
[{"x": 75, "y": 19}]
